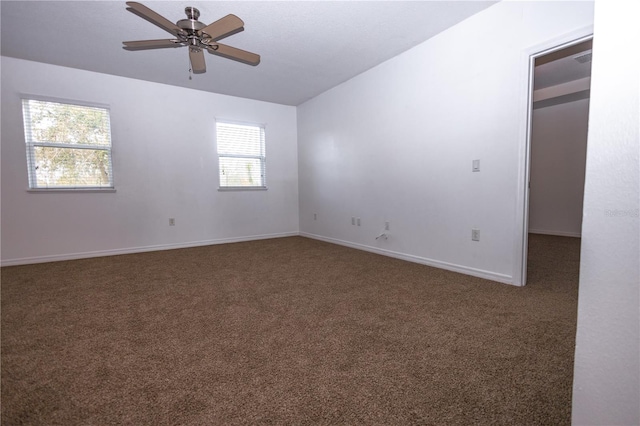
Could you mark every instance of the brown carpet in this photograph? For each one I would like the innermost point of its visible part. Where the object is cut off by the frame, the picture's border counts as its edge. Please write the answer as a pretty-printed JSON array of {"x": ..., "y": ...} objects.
[{"x": 286, "y": 331}]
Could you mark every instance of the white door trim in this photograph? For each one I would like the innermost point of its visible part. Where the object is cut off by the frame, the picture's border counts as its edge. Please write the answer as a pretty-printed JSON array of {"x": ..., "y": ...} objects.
[{"x": 524, "y": 143}]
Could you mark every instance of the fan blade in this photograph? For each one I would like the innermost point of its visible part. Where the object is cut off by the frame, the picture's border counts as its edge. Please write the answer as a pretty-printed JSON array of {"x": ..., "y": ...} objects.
[
  {"x": 153, "y": 17},
  {"x": 235, "y": 54},
  {"x": 197, "y": 60},
  {"x": 224, "y": 27},
  {"x": 150, "y": 44}
]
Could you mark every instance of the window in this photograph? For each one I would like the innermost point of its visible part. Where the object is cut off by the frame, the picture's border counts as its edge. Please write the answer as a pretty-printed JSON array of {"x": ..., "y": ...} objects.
[
  {"x": 241, "y": 155},
  {"x": 68, "y": 146}
]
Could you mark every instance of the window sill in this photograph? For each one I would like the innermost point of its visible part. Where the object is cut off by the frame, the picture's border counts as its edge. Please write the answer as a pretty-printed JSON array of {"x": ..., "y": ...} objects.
[
  {"x": 68, "y": 190},
  {"x": 242, "y": 188}
]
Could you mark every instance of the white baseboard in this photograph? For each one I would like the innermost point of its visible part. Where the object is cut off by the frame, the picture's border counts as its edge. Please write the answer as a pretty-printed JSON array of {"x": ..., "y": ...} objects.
[
  {"x": 556, "y": 233},
  {"x": 493, "y": 276},
  {"x": 502, "y": 278},
  {"x": 130, "y": 250}
]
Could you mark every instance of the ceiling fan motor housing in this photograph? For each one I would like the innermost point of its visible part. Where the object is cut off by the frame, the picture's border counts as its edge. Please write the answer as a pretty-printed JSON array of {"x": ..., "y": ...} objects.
[
  {"x": 191, "y": 24},
  {"x": 192, "y": 27}
]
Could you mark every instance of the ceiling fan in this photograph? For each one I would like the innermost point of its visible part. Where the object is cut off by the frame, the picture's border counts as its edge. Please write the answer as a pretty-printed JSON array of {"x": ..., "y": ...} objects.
[{"x": 194, "y": 34}]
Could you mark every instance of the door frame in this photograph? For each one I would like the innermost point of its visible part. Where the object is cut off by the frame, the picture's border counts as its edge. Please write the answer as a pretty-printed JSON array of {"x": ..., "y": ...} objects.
[{"x": 524, "y": 153}]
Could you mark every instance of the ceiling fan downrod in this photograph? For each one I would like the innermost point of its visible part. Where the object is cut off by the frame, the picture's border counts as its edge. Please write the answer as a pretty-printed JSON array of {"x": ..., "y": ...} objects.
[{"x": 192, "y": 13}]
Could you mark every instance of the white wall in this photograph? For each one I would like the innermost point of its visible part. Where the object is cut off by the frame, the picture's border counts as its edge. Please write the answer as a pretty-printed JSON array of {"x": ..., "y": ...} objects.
[
  {"x": 558, "y": 155},
  {"x": 397, "y": 143},
  {"x": 164, "y": 162},
  {"x": 606, "y": 387}
]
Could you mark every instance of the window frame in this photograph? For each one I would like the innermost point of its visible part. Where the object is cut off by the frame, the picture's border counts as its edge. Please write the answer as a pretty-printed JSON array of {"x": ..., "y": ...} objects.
[
  {"x": 262, "y": 157},
  {"x": 31, "y": 145}
]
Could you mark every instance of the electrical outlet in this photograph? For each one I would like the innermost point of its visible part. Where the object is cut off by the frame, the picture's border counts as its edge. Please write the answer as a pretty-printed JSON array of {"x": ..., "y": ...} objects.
[
  {"x": 358, "y": 221},
  {"x": 353, "y": 220},
  {"x": 172, "y": 222},
  {"x": 475, "y": 235},
  {"x": 386, "y": 225}
]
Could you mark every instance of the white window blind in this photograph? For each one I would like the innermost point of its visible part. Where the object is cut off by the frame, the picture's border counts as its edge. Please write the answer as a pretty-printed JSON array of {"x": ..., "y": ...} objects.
[
  {"x": 241, "y": 155},
  {"x": 68, "y": 146}
]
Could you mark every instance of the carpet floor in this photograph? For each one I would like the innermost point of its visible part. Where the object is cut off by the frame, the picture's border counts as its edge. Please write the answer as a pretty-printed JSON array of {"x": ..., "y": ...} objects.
[{"x": 286, "y": 331}]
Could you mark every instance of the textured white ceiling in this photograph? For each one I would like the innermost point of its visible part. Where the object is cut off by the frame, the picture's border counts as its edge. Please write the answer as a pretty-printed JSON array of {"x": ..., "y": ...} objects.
[{"x": 307, "y": 47}]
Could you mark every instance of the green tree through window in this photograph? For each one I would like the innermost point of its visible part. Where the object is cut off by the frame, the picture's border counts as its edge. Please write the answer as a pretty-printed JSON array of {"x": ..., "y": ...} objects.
[{"x": 68, "y": 146}]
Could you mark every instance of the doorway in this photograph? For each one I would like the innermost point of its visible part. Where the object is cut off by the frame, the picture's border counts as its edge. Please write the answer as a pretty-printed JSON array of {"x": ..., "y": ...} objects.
[{"x": 556, "y": 135}]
